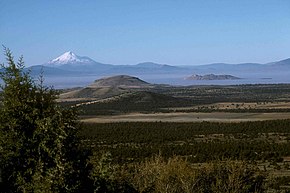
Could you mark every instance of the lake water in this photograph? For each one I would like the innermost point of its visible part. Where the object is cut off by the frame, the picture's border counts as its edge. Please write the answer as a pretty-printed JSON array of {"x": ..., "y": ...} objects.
[
  {"x": 59, "y": 82},
  {"x": 81, "y": 81}
]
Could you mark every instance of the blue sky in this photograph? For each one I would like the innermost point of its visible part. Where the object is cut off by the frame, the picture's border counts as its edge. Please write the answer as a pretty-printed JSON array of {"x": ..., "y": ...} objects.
[{"x": 177, "y": 32}]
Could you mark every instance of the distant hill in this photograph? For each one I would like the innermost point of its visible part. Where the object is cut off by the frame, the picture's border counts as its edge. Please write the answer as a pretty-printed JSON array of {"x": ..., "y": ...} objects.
[
  {"x": 149, "y": 65},
  {"x": 121, "y": 94},
  {"x": 212, "y": 77},
  {"x": 107, "y": 87},
  {"x": 152, "y": 65},
  {"x": 120, "y": 81},
  {"x": 283, "y": 63}
]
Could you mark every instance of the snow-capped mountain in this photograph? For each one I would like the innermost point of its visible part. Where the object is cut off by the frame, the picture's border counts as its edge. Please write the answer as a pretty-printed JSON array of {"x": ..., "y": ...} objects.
[
  {"x": 70, "y": 64},
  {"x": 69, "y": 61},
  {"x": 70, "y": 58}
]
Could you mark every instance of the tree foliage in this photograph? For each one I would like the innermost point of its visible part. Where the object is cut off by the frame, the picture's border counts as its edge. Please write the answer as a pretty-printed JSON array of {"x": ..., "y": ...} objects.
[{"x": 38, "y": 143}]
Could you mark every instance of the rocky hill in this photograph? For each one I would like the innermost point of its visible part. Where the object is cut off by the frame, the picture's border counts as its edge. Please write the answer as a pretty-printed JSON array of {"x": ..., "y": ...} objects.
[
  {"x": 120, "y": 81},
  {"x": 107, "y": 87},
  {"x": 212, "y": 77}
]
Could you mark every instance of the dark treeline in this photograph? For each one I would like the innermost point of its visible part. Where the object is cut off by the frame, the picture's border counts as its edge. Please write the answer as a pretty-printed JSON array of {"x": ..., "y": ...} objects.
[
  {"x": 199, "y": 142},
  {"x": 198, "y": 152},
  {"x": 159, "y": 107},
  {"x": 150, "y": 131}
]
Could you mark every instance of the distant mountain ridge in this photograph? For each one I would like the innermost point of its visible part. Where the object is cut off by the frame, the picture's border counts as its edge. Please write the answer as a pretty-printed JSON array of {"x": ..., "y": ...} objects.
[
  {"x": 153, "y": 65},
  {"x": 285, "y": 62},
  {"x": 70, "y": 64}
]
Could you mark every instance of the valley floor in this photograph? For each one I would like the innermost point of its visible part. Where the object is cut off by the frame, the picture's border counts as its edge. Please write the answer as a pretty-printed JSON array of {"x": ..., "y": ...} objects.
[{"x": 186, "y": 117}]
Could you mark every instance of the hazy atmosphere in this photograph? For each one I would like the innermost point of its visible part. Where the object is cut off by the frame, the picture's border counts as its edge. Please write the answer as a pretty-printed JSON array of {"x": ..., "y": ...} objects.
[
  {"x": 130, "y": 32},
  {"x": 155, "y": 96}
]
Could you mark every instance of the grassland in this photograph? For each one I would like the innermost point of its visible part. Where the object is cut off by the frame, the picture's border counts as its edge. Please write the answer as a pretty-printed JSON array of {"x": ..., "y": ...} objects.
[
  {"x": 200, "y": 124},
  {"x": 186, "y": 117}
]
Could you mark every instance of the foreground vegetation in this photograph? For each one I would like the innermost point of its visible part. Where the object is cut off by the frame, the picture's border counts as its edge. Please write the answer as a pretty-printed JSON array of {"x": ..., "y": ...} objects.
[
  {"x": 43, "y": 148},
  {"x": 198, "y": 142},
  {"x": 39, "y": 147},
  {"x": 263, "y": 144},
  {"x": 178, "y": 175}
]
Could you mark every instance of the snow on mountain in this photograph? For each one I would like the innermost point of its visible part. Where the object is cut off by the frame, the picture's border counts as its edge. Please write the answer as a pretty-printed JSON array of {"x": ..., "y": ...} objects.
[
  {"x": 71, "y": 63},
  {"x": 70, "y": 58}
]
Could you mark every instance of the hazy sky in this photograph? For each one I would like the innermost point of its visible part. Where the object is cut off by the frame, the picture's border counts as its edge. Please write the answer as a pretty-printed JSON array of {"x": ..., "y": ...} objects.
[{"x": 176, "y": 32}]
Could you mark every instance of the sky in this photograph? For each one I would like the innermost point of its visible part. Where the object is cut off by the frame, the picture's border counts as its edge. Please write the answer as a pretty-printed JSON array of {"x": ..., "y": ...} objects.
[{"x": 176, "y": 32}]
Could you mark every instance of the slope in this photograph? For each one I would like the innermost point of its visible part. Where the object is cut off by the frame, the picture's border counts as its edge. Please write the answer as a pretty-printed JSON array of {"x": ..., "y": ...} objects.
[{"x": 140, "y": 101}]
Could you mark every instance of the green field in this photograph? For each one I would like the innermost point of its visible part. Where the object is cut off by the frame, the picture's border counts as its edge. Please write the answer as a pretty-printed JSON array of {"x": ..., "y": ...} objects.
[{"x": 262, "y": 144}]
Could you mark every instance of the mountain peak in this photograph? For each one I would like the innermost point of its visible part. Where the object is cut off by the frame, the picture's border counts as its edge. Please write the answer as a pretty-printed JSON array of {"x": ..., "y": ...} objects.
[
  {"x": 67, "y": 57},
  {"x": 69, "y": 53},
  {"x": 70, "y": 58}
]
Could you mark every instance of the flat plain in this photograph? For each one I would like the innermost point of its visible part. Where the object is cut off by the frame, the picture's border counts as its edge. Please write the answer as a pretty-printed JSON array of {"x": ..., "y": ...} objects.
[{"x": 186, "y": 117}]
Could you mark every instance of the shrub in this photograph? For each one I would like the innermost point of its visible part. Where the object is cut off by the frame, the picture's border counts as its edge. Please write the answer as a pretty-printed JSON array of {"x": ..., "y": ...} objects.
[{"x": 178, "y": 175}]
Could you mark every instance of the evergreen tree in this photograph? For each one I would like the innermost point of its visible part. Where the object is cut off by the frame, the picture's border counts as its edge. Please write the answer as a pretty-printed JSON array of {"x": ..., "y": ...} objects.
[{"x": 38, "y": 145}]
